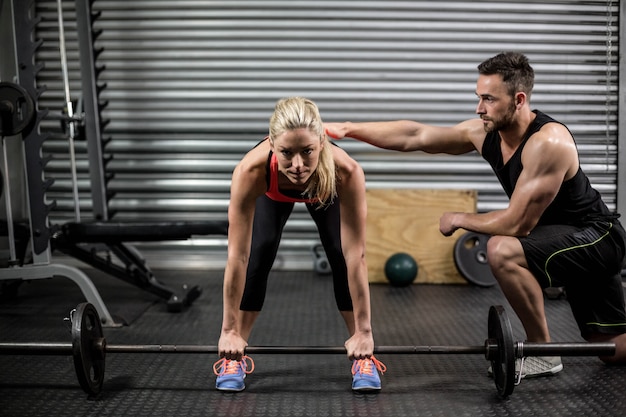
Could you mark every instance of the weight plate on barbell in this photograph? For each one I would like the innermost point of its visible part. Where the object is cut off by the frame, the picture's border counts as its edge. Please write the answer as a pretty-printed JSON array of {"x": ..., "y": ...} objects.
[
  {"x": 503, "y": 362},
  {"x": 88, "y": 361},
  {"x": 470, "y": 258},
  {"x": 16, "y": 109}
]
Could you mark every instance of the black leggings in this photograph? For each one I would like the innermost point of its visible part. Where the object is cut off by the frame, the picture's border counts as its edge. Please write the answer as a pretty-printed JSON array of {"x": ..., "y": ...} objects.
[{"x": 269, "y": 220}]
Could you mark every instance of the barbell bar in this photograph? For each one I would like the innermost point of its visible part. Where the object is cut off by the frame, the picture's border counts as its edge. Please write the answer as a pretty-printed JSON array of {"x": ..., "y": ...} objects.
[
  {"x": 528, "y": 349},
  {"x": 63, "y": 349},
  {"x": 89, "y": 348}
]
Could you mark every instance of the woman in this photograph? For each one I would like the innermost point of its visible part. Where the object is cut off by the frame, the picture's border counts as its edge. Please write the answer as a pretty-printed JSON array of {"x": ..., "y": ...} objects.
[{"x": 295, "y": 163}]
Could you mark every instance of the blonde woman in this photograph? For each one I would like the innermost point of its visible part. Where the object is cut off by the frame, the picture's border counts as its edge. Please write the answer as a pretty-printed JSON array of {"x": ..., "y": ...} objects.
[{"x": 295, "y": 164}]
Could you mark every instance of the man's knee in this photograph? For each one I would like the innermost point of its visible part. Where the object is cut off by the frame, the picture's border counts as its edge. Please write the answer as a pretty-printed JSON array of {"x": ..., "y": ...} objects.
[{"x": 504, "y": 252}]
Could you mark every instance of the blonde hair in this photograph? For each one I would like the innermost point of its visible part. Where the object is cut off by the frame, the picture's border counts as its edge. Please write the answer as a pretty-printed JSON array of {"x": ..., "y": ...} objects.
[{"x": 301, "y": 113}]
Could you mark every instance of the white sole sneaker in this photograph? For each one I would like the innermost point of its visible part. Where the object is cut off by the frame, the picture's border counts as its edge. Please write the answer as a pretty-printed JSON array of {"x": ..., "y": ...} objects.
[{"x": 535, "y": 366}]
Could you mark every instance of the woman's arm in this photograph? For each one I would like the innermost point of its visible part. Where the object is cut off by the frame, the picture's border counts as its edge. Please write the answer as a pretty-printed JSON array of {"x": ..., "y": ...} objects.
[
  {"x": 248, "y": 183},
  {"x": 353, "y": 204}
]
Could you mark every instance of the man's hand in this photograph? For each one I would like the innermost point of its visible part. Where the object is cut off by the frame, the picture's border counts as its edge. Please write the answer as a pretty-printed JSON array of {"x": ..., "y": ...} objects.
[
  {"x": 446, "y": 223},
  {"x": 335, "y": 130}
]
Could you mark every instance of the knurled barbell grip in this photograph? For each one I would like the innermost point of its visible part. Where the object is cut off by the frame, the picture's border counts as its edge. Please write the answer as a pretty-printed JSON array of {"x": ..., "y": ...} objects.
[
  {"x": 400, "y": 350},
  {"x": 27, "y": 348},
  {"x": 21, "y": 348}
]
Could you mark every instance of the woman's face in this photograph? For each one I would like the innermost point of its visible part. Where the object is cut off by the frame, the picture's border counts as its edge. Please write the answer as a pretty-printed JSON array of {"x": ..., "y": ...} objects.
[{"x": 297, "y": 152}]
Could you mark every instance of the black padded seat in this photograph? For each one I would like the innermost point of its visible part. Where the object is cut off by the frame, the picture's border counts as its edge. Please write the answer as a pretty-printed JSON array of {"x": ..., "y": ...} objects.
[
  {"x": 93, "y": 242},
  {"x": 104, "y": 232}
]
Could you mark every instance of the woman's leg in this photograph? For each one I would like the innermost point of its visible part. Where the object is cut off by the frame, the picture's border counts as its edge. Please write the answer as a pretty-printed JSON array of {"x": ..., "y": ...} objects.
[
  {"x": 329, "y": 227},
  {"x": 269, "y": 220}
]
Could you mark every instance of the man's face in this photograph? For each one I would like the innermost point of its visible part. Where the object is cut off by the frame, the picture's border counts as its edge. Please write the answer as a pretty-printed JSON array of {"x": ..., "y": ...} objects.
[{"x": 495, "y": 106}]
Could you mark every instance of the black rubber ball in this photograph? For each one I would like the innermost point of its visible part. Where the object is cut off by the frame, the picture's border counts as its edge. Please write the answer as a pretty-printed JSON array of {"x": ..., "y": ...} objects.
[{"x": 401, "y": 269}]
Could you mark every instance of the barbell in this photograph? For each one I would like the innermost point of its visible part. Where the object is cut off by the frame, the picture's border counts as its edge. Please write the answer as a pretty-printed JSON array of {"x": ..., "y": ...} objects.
[{"x": 89, "y": 349}]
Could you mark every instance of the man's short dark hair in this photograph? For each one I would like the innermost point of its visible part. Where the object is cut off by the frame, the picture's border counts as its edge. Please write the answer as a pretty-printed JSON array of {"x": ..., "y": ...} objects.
[{"x": 514, "y": 69}]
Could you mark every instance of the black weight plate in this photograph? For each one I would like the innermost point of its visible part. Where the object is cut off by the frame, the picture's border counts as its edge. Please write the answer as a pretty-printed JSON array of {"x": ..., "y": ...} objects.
[
  {"x": 503, "y": 363},
  {"x": 470, "y": 257},
  {"x": 16, "y": 109},
  {"x": 88, "y": 361}
]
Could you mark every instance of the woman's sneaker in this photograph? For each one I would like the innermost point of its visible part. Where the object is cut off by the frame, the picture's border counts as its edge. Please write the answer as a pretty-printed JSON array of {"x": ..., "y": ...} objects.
[
  {"x": 231, "y": 373},
  {"x": 365, "y": 374}
]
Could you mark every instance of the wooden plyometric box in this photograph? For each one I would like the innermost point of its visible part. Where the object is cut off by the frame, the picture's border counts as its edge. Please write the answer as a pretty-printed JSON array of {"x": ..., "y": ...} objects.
[{"x": 405, "y": 220}]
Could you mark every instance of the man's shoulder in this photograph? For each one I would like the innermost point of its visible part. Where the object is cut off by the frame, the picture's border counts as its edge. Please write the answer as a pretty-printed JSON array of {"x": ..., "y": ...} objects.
[{"x": 542, "y": 119}]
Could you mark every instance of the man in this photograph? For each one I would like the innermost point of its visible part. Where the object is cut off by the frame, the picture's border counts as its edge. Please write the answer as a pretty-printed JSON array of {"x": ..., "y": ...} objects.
[{"x": 556, "y": 230}]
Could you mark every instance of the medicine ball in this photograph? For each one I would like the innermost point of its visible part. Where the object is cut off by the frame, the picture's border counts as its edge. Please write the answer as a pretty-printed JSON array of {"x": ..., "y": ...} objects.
[{"x": 401, "y": 269}]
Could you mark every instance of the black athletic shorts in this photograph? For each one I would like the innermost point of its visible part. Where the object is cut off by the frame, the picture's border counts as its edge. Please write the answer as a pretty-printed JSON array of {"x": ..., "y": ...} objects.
[{"x": 587, "y": 261}]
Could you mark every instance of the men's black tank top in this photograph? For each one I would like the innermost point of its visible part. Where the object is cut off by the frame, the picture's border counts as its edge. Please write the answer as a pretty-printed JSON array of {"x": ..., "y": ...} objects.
[{"x": 576, "y": 201}]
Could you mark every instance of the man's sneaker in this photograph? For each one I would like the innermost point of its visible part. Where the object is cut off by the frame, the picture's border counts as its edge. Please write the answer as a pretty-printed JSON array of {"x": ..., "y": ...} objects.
[
  {"x": 534, "y": 366},
  {"x": 365, "y": 376},
  {"x": 231, "y": 373}
]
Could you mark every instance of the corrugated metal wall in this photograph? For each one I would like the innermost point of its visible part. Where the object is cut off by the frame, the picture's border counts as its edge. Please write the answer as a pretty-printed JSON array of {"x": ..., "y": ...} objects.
[{"x": 191, "y": 85}]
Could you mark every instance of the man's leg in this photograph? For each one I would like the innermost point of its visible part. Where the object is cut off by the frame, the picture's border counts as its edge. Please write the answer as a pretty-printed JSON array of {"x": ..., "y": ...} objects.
[
  {"x": 509, "y": 266},
  {"x": 524, "y": 293}
]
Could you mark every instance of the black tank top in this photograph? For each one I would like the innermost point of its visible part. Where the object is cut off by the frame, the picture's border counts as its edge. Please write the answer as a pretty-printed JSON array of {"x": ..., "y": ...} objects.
[{"x": 576, "y": 201}]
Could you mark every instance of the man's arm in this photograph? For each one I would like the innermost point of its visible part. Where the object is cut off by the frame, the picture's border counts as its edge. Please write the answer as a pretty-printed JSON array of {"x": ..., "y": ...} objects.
[
  {"x": 549, "y": 158},
  {"x": 406, "y": 135}
]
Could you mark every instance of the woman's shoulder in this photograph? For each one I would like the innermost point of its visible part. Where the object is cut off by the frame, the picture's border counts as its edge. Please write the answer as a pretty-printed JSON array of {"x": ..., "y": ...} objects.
[
  {"x": 342, "y": 158},
  {"x": 253, "y": 164},
  {"x": 257, "y": 155},
  {"x": 345, "y": 164}
]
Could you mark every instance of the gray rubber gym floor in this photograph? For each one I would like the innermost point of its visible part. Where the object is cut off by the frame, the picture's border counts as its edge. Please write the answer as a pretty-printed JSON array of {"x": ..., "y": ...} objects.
[{"x": 299, "y": 310}]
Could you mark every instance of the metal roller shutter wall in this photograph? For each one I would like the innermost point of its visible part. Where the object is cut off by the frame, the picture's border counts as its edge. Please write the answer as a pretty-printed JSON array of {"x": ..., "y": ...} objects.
[{"x": 191, "y": 85}]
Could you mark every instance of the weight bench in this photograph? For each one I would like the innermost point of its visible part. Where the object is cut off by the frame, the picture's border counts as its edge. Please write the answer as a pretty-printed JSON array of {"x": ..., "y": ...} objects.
[
  {"x": 84, "y": 241},
  {"x": 21, "y": 236}
]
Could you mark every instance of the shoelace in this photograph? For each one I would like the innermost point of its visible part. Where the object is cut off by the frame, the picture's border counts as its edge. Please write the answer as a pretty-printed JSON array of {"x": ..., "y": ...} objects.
[
  {"x": 231, "y": 367},
  {"x": 364, "y": 366}
]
